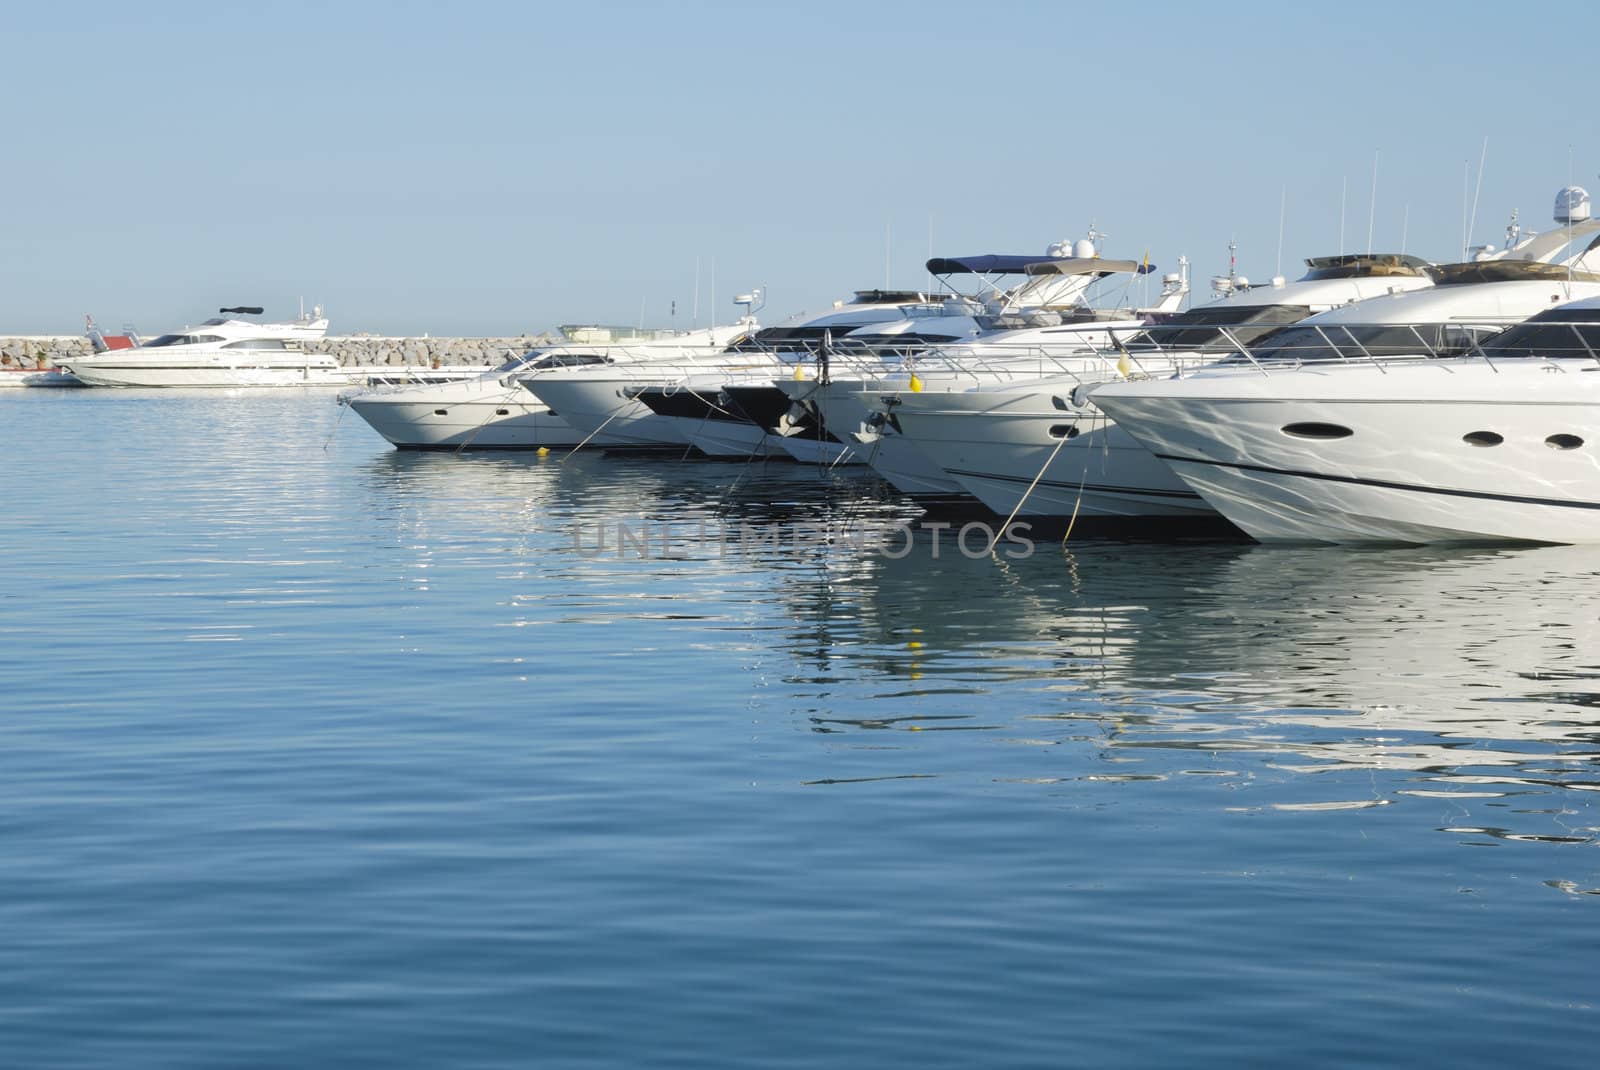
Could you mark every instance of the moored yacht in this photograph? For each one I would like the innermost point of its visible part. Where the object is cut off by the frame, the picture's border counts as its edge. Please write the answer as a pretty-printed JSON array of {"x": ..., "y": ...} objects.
[
  {"x": 1056, "y": 314},
  {"x": 226, "y": 351},
  {"x": 1035, "y": 444},
  {"x": 604, "y": 403},
  {"x": 493, "y": 411},
  {"x": 1355, "y": 436}
]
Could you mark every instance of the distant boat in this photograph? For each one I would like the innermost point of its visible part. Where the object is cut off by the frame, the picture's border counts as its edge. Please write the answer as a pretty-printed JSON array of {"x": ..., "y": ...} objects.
[{"x": 223, "y": 352}]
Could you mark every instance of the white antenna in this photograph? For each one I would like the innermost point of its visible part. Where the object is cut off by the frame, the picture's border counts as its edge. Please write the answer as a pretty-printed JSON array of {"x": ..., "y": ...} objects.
[
  {"x": 1466, "y": 180},
  {"x": 641, "y": 313},
  {"x": 886, "y": 231},
  {"x": 1473, "y": 223},
  {"x": 1570, "y": 258},
  {"x": 1344, "y": 193},
  {"x": 1405, "y": 227},
  {"x": 713, "y": 291},
  {"x": 1372, "y": 206},
  {"x": 1283, "y": 207},
  {"x": 694, "y": 319}
]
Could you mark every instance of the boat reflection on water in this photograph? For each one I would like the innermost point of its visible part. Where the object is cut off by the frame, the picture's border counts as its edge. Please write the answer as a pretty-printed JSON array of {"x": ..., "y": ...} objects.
[
  {"x": 1471, "y": 677},
  {"x": 1476, "y": 672}
]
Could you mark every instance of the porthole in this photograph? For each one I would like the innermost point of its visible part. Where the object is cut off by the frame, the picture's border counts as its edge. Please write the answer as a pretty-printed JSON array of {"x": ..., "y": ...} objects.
[
  {"x": 1483, "y": 438},
  {"x": 502, "y": 412},
  {"x": 1316, "y": 430},
  {"x": 441, "y": 412},
  {"x": 1063, "y": 430},
  {"x": 1563, "y": 442}
]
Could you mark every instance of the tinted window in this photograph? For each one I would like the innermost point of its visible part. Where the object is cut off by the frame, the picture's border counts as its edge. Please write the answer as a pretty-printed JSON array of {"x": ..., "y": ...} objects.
[
  {"x": 1540, "y": 338},
  {"x": 1338, "y": 341},
  {"x": 1199, "y": 328}
]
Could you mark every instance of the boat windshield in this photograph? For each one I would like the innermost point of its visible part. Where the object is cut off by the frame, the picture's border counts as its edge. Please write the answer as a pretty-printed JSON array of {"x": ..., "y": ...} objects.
[
  {"x": 1313, "y": 342},
  {"x": 517, "y": 363},
  {"x": 1202, "y": 328},
  {"x": 182, "y": 340},
  {"x": 1573, "y": 333},
  {"x": 784, "y": 339},
  {"x": 563, "y": 360}
]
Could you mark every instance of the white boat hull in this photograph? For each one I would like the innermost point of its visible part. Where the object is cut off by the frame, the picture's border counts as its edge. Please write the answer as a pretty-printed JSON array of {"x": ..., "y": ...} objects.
[
  {"x": 605, "y": 415},
  {"x": 734, "y": 440},
  {"x": 810, "y": 449},
  {"x": 1021, "y": 452},
  {"x": 1408, "y": 471},
  {"x": 511, "y": 420},
  {"x": 851, "y": 410},
  {"x": 209, "y": 377}
]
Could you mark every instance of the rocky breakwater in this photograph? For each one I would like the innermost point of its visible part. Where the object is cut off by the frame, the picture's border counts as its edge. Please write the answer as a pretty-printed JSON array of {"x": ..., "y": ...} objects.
[
  {"x": 48, "y": 351},
  {"x": 363, "y": 351},
  {"x": 41, "y": 351}
]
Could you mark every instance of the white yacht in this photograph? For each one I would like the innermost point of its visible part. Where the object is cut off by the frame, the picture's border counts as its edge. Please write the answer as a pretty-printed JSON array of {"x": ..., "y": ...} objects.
[
  {"x": 604, "y": 402},
  {"x": 1034, "y": 445},
  {"x": 1055, "y": 314},
  {"x": 724, "y": 412},
  {"x": 1055, "y": 290},
  {"x": 1351, "y": 438},
  {"x": 223, "y": 352},
  {"x": 493, "y": 411}
]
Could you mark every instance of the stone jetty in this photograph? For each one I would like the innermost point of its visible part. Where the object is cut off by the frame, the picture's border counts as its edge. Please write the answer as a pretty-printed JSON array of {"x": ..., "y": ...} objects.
[{"x": 47, "y": 351}]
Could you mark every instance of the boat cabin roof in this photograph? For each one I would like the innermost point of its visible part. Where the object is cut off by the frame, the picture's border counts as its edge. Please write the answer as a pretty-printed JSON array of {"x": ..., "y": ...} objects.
[
  {"x": 1508, "y": 271},
  {"x": 1088, "y": 266},
  {"x": 987, "y": 264},
  {"x": 1365, "y": 265}
]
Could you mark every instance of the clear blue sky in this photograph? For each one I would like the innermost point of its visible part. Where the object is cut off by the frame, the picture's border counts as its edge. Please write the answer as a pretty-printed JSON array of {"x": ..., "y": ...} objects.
[{"x": 480, "y": 168}]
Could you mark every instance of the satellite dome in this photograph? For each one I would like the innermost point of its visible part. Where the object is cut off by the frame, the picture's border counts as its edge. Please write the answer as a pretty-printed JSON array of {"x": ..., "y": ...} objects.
[{"x": 1572, "y": 205}]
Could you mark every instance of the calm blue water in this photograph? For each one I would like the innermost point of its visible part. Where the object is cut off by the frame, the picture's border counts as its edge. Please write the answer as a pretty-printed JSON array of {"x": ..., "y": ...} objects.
[{"x": 316, "y": 753}]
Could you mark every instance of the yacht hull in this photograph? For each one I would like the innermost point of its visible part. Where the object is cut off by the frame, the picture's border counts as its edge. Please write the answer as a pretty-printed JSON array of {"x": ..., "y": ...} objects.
[
  {"x": 514, "y": 420},
  {"x": 605, "y": 415},
  {"x": 199, "y": 377},
  {"x": 1019, "y": 452},
  {"x": 859, "y": 412},
  {"x": 810, "y": 449},
  {"x": 1438, "y": 452},
  {"x": 735, "y": 440}
]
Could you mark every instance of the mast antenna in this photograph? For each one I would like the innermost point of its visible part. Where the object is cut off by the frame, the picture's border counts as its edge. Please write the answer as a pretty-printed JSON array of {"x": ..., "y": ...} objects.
[
  {"x": 1283, "y": 208},
  {"x": 1344, "y": 194},
  {"x": 887, "y": 225},
  {"x": 1482, "y": 158},
  {"x": 1372, "y": 206}
]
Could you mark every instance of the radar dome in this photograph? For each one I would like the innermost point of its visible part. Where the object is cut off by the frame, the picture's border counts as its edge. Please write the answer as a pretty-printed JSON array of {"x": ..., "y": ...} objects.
[
  {"x": 1572, "y": 205},
  {"x": 1084, "y": 249},
  {"x": 1059, "y": 250}
]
